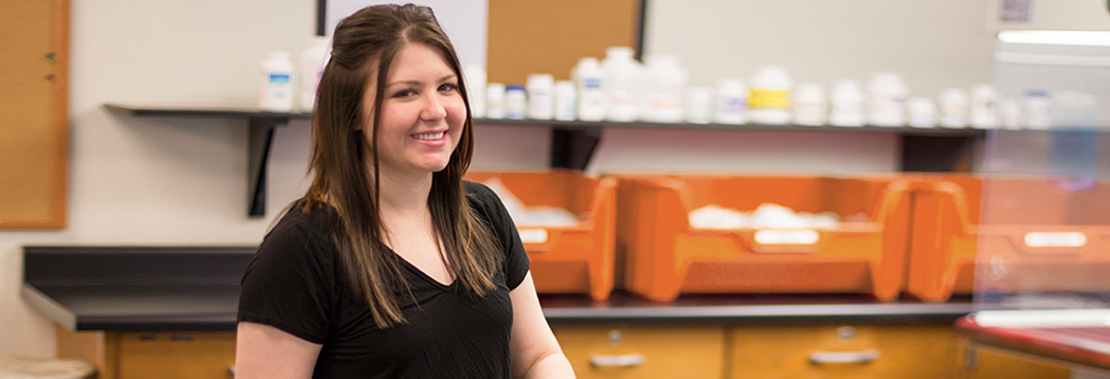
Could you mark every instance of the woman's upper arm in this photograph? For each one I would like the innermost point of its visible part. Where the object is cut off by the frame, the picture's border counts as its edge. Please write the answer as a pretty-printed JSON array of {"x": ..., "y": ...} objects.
[
  {"x": 535, "y": 352},
  {"x": 265, "y": 352}
]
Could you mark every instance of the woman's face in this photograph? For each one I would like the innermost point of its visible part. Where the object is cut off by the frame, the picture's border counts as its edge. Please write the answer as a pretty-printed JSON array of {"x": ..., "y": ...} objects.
[{"x": 422, "y": 113}]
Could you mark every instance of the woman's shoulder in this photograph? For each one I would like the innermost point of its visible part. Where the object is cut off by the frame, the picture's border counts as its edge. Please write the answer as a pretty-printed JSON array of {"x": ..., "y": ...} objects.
[{"x": 302, "y": 224}]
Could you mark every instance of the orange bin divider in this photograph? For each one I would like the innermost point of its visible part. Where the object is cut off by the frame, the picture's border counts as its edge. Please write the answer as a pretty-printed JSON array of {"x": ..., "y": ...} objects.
[
  {"x": 665, "y": 257},
  {"x": 1034, "y": 235},
  {"x": 571, "y": 259}
]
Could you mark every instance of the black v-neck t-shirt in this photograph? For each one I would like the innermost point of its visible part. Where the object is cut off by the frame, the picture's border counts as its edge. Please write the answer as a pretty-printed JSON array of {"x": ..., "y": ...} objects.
[{"x": 295, "y": 283}]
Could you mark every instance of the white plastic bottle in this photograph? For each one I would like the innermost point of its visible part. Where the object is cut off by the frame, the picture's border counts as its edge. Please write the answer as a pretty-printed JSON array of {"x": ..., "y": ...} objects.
[
  {"x": 847, "y": 104},
  {"x": 622, "y": 75},
  {"x": 277, "y": 83},
  {"x": 1009, "y": 113},
  {"x": 565, "y": 101},
  {"x": 541, "y": 96},
  {"x": 1036, "y": 107},
  {"x": 984, "y": 109},
  {"x": 732, "y": 102},
  {"x": 516, "y": 102},
  {"x": 699, "y": 105},
  {"x": 589, "y": 79},
  {"x": 312, "y": 63},
  {"x": 954, "y": 104},
  {"x": 665, "y": 89},
  {"x": 769, "y": 101},
  {"x": 887, "y": 100},
  {"x": 922, "y": 112},
  {"x": 474, "y": 78},
  {"x": 811, "y": 106},
  {"x": 495, "y": 101}
]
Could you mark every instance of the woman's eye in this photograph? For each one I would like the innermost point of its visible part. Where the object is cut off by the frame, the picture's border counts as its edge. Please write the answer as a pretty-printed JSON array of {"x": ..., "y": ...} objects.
[
  {"x": 404, "y": 93},
  {"x": 447, "y": 87}
]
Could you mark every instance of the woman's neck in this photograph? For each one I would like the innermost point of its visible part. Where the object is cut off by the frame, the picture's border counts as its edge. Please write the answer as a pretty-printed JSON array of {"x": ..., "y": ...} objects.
[{"x": 405, "y": 196}]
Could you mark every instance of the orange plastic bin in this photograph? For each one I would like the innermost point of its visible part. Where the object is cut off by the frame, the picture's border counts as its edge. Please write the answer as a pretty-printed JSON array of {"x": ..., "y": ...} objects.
[
  {"x": 665, "y": 257},
  {"x": 1031, "y": 235},
  {"x": 569, "y": 259}
]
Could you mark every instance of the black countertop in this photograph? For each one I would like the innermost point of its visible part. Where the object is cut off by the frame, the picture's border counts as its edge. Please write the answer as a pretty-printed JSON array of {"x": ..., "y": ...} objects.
[{"x": 197, "y": 288}]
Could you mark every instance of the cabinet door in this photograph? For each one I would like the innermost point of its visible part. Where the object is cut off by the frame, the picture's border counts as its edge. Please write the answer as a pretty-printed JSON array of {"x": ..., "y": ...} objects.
[
  {"x": 843, "y": 351},
  {"x": 983, "y": 362},
  {"x": 643, "y": 351},
  {"x": 176, "y": 355}
]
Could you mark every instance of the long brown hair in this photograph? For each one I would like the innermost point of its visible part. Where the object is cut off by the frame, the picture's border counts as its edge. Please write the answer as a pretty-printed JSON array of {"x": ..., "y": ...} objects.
[{"x": 364, "y": 46}]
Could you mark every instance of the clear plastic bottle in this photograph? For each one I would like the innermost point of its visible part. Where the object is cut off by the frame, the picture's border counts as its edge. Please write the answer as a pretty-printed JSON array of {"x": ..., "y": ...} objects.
[
  {"x": 565, "y": 101},
  {"x": 277, "y": 83},
  {"x": 769, "y": 101},
  {"x": 589, "y": 79},
  {"x": 313, "y": 61},
  {"x": 474, "y": 77},
  {"x": 732, "y": 102},
  {"x": 887, "y": 100},
  {"x": 622, "y": 85},
  {"x": 847, "y": 104},
  {"x": 665, "y": 89},
  {"x": 495, "y": 101},
  {"x": 811, "y": 106},
  {"x": 954, "y": 105},
  {"x": 984, "y": 109},
  {"x": 541, "y": 96},
  {"x": 516, "y": 102}
]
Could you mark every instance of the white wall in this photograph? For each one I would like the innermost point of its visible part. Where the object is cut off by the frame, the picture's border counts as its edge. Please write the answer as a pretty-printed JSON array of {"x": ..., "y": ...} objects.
[
  {"x": 934, "y": 44},
  {"x": 171, "y": 181}
]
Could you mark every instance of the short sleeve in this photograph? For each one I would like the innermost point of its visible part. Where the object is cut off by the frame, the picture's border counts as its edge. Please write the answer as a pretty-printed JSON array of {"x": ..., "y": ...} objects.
[
  {"x": 290, "y": 282},
  {"x": 516, "y": 259}
]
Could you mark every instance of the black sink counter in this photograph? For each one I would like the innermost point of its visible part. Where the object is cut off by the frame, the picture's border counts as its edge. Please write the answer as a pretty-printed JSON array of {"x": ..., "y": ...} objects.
[{"x": 132, "y": 288}]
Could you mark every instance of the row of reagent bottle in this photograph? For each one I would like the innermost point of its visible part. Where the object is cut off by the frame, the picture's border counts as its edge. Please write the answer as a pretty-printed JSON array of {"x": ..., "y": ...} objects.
[{"x": 283, "y": 89}]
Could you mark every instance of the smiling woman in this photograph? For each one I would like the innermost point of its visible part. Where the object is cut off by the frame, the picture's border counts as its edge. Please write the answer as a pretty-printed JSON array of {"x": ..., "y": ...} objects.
[{"x": 391, "y": 265}]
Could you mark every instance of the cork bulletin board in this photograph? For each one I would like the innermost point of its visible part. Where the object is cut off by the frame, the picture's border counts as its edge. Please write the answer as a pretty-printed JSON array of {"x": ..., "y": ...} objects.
[
  {"x": 34, "y": 53},
  {"x": 549, "y": 37}
]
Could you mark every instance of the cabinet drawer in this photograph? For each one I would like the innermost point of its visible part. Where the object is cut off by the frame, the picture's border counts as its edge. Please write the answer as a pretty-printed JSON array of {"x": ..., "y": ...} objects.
[
  {"x": 643, "y": 351},
  {"x": 843, "y": 351},
  {"x": 175, "y": 355}
]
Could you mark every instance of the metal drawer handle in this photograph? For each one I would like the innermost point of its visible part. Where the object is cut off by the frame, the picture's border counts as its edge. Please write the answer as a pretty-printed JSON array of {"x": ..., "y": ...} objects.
[
  {"x": 626, "y": 360},
  {"x": 827, "y": 357}
]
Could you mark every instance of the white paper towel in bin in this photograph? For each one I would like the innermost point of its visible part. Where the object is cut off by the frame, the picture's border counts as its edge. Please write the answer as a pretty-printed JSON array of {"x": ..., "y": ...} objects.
[
  {"x": 543, "y": 216},
  {"x": 44, "y": 368},
  {"x": 767, "y": 215}
]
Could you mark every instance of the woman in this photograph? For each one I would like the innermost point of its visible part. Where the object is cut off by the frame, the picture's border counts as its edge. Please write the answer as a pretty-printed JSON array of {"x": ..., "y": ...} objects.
[{"x": 391, "y": 266}]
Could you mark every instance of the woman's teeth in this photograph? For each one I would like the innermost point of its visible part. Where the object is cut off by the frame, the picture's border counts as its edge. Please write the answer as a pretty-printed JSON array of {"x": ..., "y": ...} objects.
[{"x": 429, "y": 136}]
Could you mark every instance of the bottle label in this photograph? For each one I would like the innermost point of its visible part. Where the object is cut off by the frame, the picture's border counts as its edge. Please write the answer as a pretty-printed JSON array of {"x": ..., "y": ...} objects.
[
  {"x": 277, "y": 78},
  {"x": 591, "y": 83},
  {"x": 769, "y": 99}
]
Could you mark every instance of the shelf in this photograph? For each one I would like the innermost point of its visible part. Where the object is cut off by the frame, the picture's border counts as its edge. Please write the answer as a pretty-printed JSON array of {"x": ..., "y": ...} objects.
[
  {"x": 261, "y": 135},
  {"x": 600, "y": 125},
  {"x": 573, "y": 142}
]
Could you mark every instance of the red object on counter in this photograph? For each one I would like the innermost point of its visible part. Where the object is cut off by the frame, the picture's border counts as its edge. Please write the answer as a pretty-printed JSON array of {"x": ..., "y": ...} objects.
[{"x": 1082, "y": 345}]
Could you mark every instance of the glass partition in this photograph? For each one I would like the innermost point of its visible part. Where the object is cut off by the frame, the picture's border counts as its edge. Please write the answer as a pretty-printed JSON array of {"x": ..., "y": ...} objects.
[{"x": 1044, "y": 229}]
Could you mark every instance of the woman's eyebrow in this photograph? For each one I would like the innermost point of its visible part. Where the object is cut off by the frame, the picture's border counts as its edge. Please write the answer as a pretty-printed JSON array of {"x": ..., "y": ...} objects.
[{"x": 418, "y": 82}]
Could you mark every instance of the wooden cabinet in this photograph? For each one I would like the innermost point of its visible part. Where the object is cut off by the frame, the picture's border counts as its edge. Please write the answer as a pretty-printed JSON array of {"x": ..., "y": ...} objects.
[
  {"x": 143, "y": 355},
  {"x": 175, "y": 355},
  {"x": 647, "y": 351},
  {"x": 842, "y": 351},
  {"x": 644, "y": 351}
]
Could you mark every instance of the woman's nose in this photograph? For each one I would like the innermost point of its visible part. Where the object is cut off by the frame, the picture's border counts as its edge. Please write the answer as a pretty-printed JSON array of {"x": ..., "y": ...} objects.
[{"x": 433, "y": 108}]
